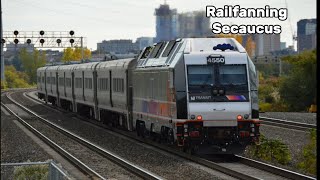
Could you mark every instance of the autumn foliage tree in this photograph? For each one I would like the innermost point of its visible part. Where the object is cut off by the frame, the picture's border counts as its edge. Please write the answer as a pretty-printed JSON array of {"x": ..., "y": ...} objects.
[
  {"x": 15, "y": 79},
  {"x": 31, "y": 62},
  {"x": 250, "y": 44},
  {"x": 74, "y": 54}
]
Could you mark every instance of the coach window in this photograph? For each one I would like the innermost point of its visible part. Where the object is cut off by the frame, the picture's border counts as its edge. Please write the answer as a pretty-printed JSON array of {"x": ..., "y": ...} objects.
[
  {"x": 43, "y": 79},
  {"x": 61, "y": 81},
  {"x": 53, "y": 80},
  {"x": 122, "y": 85},
  {"x": 118, "y": 85},
  {"x": 78, "y": 82},
  {"x": 48, "y": 80},
  {"x": 88, "y": 83},
  {"x": 68, "y": 82},
  {"x": 103, "y": 84}
]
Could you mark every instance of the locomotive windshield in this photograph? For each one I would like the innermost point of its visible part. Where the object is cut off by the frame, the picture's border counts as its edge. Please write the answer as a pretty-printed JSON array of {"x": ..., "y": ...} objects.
[
  {"x": 203, "y": 80},
  {"x": 232, "y": 75},
  {"x": 200, "y": 75}
]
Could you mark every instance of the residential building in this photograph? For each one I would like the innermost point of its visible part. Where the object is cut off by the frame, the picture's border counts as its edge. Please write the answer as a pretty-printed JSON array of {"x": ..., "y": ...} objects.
[
  {"x": 307, "y": 34},
  {"x": 193, "y": 24},
  {"x": 166, "y": 23},
  {"x": 266, "y": 43},
  {"x": 143, "y": 42}
]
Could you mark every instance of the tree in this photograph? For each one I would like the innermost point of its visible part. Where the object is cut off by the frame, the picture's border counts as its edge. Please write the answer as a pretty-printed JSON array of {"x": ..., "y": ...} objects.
[
  {"x": 31, "y": 62},
  {"x": 86, "y": 53},
  {"x": 15, "y": 79},
  {"x": 75, "y": 54},
  {"x": 298, "y": 89},
  {"x": 16, "y": 62},
  {"x": 67, "y": 54}
]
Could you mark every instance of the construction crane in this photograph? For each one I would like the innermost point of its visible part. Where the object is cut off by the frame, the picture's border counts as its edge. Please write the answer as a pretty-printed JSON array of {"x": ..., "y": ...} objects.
[{"x": 294, "y": 34}]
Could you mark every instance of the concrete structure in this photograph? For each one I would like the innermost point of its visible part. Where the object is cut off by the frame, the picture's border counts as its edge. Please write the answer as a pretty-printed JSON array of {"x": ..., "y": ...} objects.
[
  {"x": 166, "y": 23},
  {"x": 193, "y": 24},
  {"x": 266, "y": 43},
  {"x": 143, "y": 42},
  {"x": 122, "y": 46},
  {"x": 307, "y": 34}
]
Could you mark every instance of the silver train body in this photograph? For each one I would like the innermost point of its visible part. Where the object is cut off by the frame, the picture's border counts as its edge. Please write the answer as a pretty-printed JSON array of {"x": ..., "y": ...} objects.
[{"x": 198, "y": 93}]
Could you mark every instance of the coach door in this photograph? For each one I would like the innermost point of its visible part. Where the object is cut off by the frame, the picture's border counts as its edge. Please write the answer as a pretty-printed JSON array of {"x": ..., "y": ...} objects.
[
  {"x": 57, "y": 86},
  {"x": 110, "y": 75}
]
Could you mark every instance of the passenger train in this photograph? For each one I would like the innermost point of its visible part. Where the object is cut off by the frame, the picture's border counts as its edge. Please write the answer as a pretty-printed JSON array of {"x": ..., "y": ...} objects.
[{"x": 197, "y": 93}]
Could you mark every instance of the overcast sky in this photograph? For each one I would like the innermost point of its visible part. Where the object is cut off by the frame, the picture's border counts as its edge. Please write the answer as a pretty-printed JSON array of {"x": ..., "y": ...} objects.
[{"x": 99, "y": 20}]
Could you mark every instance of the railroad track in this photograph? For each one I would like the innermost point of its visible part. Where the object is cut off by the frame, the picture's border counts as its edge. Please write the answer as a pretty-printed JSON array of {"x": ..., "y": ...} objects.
[
  {"x": 231, "y": 169},
  {"x": 136, "y": 170},
  {"x": 84, "y": 168},
  {"x": 288, "y": 124}
]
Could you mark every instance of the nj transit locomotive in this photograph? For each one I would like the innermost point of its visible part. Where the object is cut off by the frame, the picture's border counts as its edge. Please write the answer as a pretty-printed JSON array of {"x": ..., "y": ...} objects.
[{"x": 198, "y": 93}]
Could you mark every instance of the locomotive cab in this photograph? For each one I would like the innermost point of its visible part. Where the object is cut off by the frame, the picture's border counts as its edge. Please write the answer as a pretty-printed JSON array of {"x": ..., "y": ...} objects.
[{"x": 221, "y": 93}]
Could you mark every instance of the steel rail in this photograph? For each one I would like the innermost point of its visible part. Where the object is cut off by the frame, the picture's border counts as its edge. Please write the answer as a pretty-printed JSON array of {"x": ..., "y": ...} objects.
[
  {"x": 273, "y": 169},
  {"x": 250, "y": 162},
  {"x": 198, "y": 160},
  {"x": 83, "y": 167},
  {"x": 287, "y": 124},
  {"x": 135, "y": 169}
]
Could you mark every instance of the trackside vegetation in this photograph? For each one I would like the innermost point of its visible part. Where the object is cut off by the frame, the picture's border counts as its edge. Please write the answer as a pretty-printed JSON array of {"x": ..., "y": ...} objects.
[{"x": 39, "y": 172}]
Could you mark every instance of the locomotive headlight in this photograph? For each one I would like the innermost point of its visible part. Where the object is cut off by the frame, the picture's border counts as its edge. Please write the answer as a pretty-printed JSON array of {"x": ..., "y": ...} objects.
[
  {"x": 221, "y": 91},
  {"x": 192, "y": 116},
  {"x": 239, "y": 117},
  {"x": 215, "y": 92},
  {"x": 199, "y": 117},
  {"x": 246, "y": 116}
]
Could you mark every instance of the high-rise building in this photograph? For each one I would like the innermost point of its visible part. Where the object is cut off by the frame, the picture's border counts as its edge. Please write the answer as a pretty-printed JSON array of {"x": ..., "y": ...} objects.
[
  {"x": 307, "y": 34},
  {"x": 193, "y": 24},
  {"x": 143, "y": 42},
  {"x": 166, "y": 23},
  {"x": 266, "y": 43}
]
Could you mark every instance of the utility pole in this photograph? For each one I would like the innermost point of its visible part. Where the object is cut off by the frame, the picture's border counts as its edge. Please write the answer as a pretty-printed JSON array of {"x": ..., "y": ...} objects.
[
  {"x": 82, "y": 49},
  {"x": 2, "y": 57}
]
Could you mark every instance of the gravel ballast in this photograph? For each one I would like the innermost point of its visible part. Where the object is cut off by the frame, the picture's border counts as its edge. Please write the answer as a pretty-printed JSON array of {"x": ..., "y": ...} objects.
[
  {"x": 17, "y": 147},
  {"x": 158, "y": 162},
  {"x": 309, "y": 118}
]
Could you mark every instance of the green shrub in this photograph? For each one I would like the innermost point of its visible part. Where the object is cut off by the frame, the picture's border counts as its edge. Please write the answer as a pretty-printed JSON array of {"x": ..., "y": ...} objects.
[
  {"x": 4, "y": 84},
  {"x": 308, "y": 162},
  {"x": 39, "y": 172},
  {"x": 265, "y": 107},
  {"x": 271, "y": 150}
]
